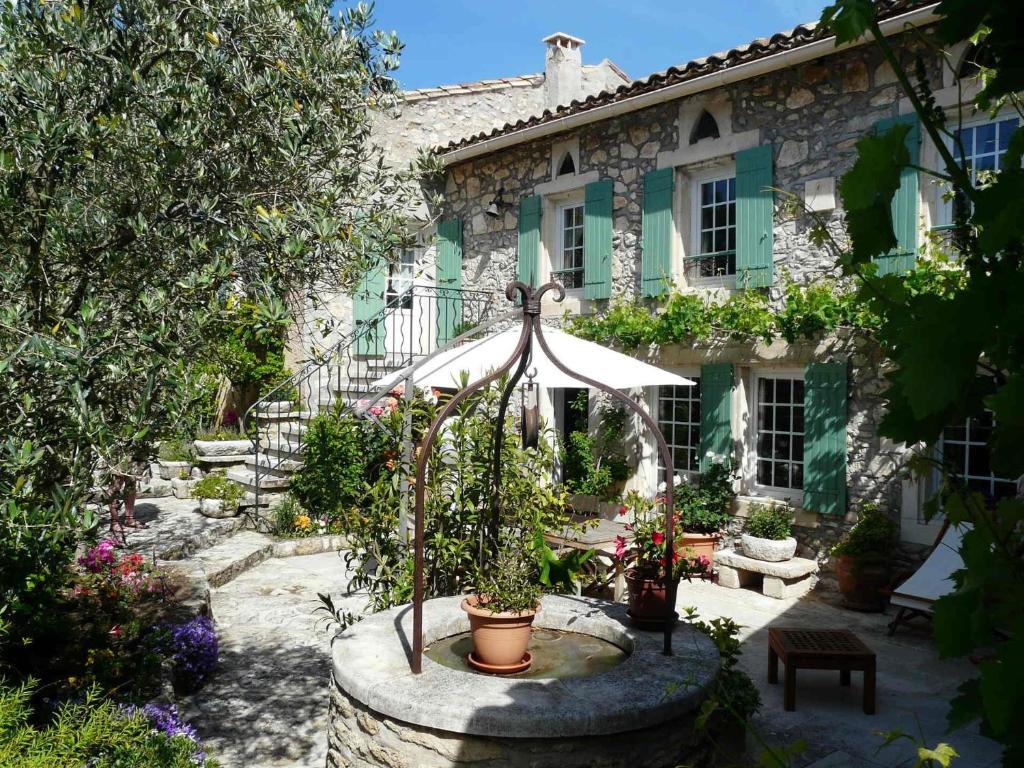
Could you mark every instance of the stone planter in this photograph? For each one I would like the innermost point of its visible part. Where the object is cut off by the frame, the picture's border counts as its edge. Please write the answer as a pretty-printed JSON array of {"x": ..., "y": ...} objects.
[
  {"x": 183, "y": 487},
  {"x": 593, "y": 506},
  {"x": 170, "y": 470},
  {"x": 223, "y": 447},
  {"x": 217, "y": 508},
  {"x": 769, "y": 550}
]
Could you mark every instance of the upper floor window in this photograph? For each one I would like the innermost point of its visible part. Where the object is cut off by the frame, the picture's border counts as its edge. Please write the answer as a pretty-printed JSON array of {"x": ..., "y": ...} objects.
[
  {"x": 980, "y": 147},
  {"x": 715, "y": 247},
  {"x": 568, "y": 253},
  {"x": 679, "y": 422},
  {"x": 401, "y": 274},
  {"x": 964, "y": 448},
  {"x": 779, "y": 440}
]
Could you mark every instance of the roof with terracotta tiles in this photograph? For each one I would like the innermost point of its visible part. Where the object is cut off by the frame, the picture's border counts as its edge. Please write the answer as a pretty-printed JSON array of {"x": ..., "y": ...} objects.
[{"x": 762, "y": 47}]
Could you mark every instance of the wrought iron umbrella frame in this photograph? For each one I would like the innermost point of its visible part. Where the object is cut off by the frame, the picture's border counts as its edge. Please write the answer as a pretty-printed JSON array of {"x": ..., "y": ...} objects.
[{"x": 531, "y": 329}]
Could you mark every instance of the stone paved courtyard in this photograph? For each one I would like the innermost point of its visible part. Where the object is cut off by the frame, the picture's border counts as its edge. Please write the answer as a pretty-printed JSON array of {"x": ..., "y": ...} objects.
[{"x": 266, "y": 706}]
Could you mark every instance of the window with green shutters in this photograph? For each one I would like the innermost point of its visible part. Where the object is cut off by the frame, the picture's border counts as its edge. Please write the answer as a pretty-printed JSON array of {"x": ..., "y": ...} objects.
[
  {"x": 597, "y": 240},
  {"x": 528, "y": 266},
  {"x": 656, "y": 264},
  {"x": 825, "y": 438},
  {"x": 755, "y": 206},
  {"x": 449, "y": 279},
  {"x": 367, "y": 305},
  {"x": 904, "y": 202},
  {"x": 716, "y": 385}
]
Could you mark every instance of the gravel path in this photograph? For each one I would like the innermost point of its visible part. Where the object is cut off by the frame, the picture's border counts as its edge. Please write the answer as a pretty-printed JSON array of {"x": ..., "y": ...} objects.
[{"x": 266, "y": 705}]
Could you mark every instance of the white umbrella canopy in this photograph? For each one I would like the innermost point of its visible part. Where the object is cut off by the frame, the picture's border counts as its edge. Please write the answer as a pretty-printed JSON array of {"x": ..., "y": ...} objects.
[{"x": 482, "y": 356}]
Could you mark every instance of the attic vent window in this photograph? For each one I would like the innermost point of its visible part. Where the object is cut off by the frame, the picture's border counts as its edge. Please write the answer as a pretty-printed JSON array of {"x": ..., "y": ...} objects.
[
  {"x": 706, "y": 128},
  {"x": 568, "y": 166},
  {"x": 975, "y": 58}
]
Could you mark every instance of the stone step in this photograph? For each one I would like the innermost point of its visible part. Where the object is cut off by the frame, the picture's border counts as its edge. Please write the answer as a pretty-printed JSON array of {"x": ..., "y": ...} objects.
[
  {"x": 219, "y": 462},
  {"x": 281, "y": 447},
  {"x": 224, "y": 561},
  {"x": 275, "y": 465},
  {"x": 247, "y": 479},
  {"x": 293, "y": 430},
  {"x": 274, "y": 417},
  {"x": 280, "y": 406}
]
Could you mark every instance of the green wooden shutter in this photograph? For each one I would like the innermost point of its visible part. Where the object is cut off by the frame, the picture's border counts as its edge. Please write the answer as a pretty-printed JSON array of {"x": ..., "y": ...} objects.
[
  {"x": 529, "y": 240},
  {"x": 656, "y": 264},
  {"x": 597, "y": 240},
  {"x": 715, "y": 413},
  {"x": 449, "y": 279},
  {"x": 904, "y": 202},
  {"x": 755, "y": 207},
  {"x": 367, "y": 310},
  {"x": 825, "y": 438}
]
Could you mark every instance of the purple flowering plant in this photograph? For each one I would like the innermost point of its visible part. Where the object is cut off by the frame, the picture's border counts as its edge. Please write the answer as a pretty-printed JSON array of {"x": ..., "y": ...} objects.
[
  {"x": 166, "y": 719},
  {"x": 193, "y": 648}
]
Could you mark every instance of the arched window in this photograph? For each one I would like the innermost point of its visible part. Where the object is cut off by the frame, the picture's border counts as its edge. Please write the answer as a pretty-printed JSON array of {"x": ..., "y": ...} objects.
[
  {"x": 706, "y": 128},
  {"x": 975, "y": 57},
  {"x": 567, "y": 166}
]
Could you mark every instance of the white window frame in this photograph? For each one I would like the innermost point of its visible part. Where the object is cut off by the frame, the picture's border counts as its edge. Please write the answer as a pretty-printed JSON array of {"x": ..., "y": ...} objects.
[
  {"x": 558, "y": 250},
  {"x": 940, "y": 451},
  {"x": 719, "y": 173},
  {"x": 752, "y": 487},
  {"x": 943, "y": 209},
  {"x": 656, "y": 413},
  {"x": 402, "y": 273}
]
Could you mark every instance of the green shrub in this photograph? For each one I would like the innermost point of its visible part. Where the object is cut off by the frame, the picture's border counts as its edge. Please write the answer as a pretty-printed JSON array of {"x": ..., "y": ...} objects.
[
  {"x": 733, "y": 690},
  {"x": 512, "y": 583},
  {"x": 97, "y": 733},
  {"x": 769, "y": 522},
  {"x": 341, "y": 449},
  {"x": 177, "y": 449},
  {"x": 706, "y": 506},
  {"x": 217, "y": 486},
  {"x": 873, "y": 537}
]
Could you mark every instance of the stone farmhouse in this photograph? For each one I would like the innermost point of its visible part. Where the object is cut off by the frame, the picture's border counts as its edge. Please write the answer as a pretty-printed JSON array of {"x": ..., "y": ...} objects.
[{"x": 629, "y": 190}]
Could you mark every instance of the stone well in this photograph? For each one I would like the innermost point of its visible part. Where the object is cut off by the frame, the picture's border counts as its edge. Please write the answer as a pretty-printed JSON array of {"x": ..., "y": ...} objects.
[{"x": 639, "y": 713}]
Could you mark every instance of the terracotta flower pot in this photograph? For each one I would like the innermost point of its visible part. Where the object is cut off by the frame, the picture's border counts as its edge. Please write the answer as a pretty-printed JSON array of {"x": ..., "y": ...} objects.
[
  {"x": 862, "y": 584},
  {"x": 648, "y": 599},
  {"x": 499, "y": 639},
  {"x": 698, "y": 544}
]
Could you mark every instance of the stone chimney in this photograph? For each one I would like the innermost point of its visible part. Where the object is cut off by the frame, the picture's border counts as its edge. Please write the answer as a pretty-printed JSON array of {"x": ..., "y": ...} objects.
[{"x": 563, "y": 69}]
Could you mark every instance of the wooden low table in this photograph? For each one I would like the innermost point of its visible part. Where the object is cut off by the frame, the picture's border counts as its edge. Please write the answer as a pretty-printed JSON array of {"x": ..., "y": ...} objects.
[{"x": 837, "y": 649}]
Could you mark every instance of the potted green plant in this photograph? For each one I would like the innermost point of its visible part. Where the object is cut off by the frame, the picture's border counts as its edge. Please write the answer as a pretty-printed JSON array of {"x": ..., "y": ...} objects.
[
  {"x": 644, "y": 555},
  {"x": 218, "y": 496},
  {"x": 767, "y": 535},
  {"x": 501, "y": 611},
  {"x": 863, "y": 567},
  {"x": 705, "y": 508}
]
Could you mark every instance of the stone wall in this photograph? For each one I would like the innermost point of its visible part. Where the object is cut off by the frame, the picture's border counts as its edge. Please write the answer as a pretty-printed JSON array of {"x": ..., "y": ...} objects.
[
  {"x": 358, "y": 737},
  {"x": 813, "y": 114}
]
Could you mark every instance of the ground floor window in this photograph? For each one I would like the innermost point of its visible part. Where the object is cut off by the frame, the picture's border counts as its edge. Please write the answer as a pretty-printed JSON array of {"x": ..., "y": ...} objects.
[
  {"x": 679, "y": 421},
  {"x": 964, "y": 448},
  {"x": 779, "y": 439}
]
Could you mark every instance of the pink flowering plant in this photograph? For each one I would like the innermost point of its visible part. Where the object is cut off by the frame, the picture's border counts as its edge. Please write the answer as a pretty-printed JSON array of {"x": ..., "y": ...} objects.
[
  {"x": 644, "y": 550},
  {"x": 114, "y": 599}
]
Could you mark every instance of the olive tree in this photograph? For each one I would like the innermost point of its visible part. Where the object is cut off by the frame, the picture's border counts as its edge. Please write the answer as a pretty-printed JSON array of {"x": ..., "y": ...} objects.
[{"x": 157, "y": 159}]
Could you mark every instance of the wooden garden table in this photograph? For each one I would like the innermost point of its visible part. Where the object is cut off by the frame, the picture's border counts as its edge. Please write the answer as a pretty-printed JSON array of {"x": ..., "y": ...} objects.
[
  {"x": 837, "y": 649},
  {"x": 601, "y": 538}
]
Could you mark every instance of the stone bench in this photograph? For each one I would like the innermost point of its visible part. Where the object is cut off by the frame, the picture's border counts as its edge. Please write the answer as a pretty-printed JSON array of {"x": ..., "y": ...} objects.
[{"x": 789, "y": 578}]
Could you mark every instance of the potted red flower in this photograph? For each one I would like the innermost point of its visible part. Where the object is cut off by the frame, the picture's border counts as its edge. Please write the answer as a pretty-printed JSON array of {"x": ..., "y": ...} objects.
[{"x": 644, "y": 554}]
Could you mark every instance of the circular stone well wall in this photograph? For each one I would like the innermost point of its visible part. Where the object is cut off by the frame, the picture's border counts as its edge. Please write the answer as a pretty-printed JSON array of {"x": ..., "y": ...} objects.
[{"x": 640, "y": 713}]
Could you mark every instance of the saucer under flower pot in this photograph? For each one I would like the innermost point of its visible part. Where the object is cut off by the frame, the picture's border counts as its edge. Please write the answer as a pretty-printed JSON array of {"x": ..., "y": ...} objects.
[{"x": 500, "y": 669}]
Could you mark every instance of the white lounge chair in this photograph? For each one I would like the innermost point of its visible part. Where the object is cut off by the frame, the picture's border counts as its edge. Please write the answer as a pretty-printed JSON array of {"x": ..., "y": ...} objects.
[{"x": 934, "y": 579}]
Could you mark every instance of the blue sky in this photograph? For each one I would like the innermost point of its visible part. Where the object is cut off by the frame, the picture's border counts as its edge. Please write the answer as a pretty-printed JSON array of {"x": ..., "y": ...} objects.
[{"x": 453, "y": 41}]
